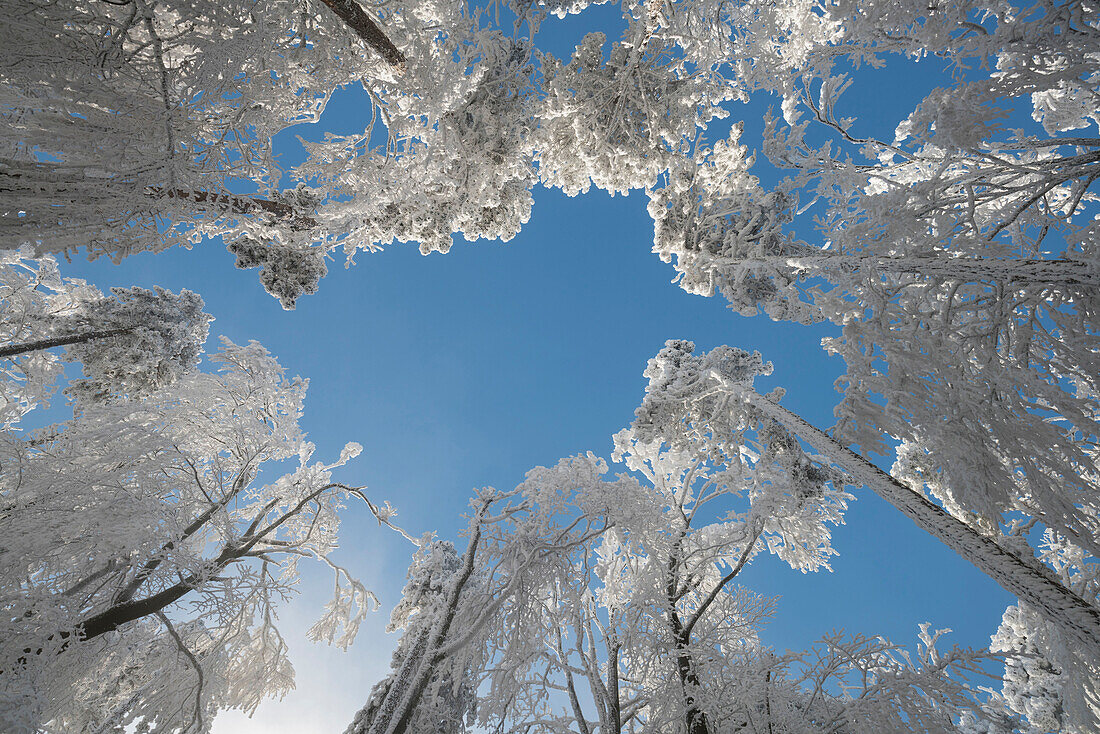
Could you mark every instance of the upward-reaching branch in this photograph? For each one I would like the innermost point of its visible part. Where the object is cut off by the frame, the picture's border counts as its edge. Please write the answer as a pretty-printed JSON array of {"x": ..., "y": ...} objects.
[{"x": 147, "y": 570}]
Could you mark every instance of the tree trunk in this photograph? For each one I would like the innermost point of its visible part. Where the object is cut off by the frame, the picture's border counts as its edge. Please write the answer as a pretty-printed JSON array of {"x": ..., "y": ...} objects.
[
  {"x": 364, "y": 26},
  {"x": 1023, "y": 271},
  {"x": 383, "y": 712},
  {"x": 1026, "y": 579},
  {"x": 409, "y": 696},
  {"x": 695, "y": 721},
  {"x": 615, "y": 706},
  {"x": 694, "y": 718},
  {"x": 14, "y": 350}
]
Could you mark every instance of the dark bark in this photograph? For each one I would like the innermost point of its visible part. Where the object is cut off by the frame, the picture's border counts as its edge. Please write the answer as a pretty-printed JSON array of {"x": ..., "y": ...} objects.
[
  {"x": 364, "y": 26},
  {"x": 615, "y": 714},
  {"x": 120, "y": 614},
  {"x": 124, "y": 612},
  {"x": 238, "y": 204},
  {"x": 14, "y": 350},
  {"x": 695, "y": 720}
]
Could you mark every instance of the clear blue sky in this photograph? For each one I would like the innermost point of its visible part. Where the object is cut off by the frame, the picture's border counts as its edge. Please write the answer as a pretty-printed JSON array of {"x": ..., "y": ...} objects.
[{"x": 468, "y": 369}]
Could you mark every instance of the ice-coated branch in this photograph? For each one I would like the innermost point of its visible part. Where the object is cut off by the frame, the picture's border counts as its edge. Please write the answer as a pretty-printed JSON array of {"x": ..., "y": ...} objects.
[
  {"x": 139, "y": 510},
  {"x": 710, "y": 597},
  {"x": 196, "y": 720}
]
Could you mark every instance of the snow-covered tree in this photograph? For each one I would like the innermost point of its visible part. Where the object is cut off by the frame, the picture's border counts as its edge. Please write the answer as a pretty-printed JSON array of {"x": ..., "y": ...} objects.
[
  {"x": 713, "y": 393},
  {"x": 130, "y": 126},
  {"x": 593, "y": 614},
  {"x": 958, "y": 258},
  {"x": 951, "y": 193},
  {"x": 601, "y": 604},
  {"x": 456, "y": 157},
  {"x": 956, "y": 254},
  {"x": 494, "y": 115},
  {"x": 129, "y": 344},
  {"x": 437, "y": 577},
  {"x": 32, "y": 293},
  {"x": 122, "y": 122},
  {"x": 1047, "y": 679},
  {"x": 148, "y": 544},
  {"x": 123, "y": 118},
  {"x": 135, "y": 342}
]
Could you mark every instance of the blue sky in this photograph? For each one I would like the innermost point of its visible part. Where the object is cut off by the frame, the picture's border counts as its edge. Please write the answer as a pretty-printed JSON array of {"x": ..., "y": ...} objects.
[{"x": 468, "y": 369}]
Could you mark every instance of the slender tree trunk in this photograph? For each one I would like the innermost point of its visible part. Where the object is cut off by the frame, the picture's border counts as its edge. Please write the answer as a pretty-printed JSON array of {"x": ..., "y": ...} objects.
[
  {"x": 570, "y": 687},
  {"x": 615, "y": 714},
  {"x": 694, "y": 718},
  {"x": 367, "y": 719},
  {"x": 1023, "y": 271},
  {"x": 14, "y": 350},
  {"x": 356, "y": 18},
  {"x": 31, "y": 176},
  {"x": 1026, "y": 579}
]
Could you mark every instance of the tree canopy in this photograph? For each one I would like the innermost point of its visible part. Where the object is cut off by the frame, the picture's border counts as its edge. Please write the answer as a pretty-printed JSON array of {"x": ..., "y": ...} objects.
[{"x": 953, "y": 251}]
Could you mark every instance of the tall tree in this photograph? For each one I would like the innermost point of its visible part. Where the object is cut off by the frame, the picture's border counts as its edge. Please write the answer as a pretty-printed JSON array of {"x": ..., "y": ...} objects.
[
  {"x": 958, "y": 257},
  {"x": 956, "y": 254},
  {"x": 619, "y": 612},
  {"x": 452, "y": 605},
  {"x": 147, "y": 547},
  {"x": 1047, "y": 677},
  {"x": 593, "y": 604},
  {"x": 713, "y": 393},
  {"x": 426, "y": 692}
]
